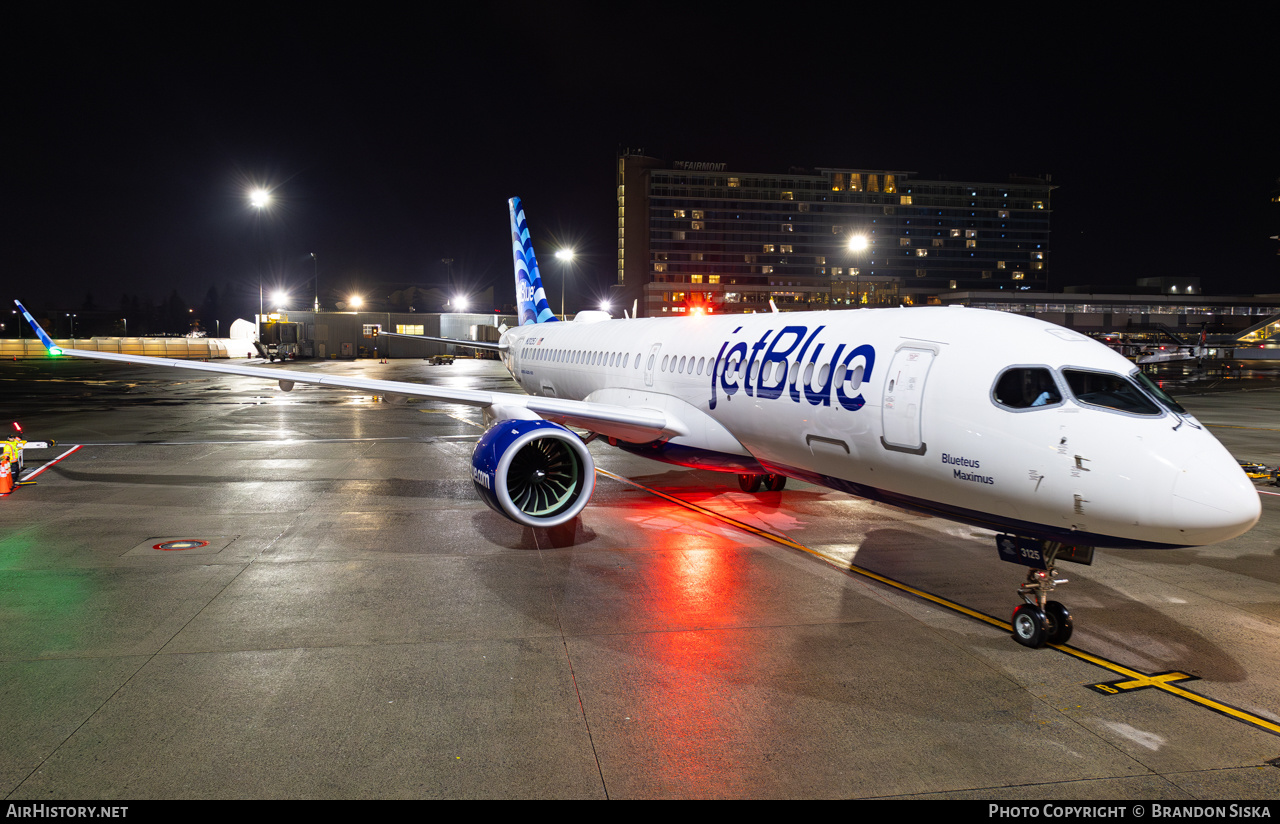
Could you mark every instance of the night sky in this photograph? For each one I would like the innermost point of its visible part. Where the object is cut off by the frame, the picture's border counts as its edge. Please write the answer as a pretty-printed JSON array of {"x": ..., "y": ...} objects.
[{"x": 393, "y": 140}]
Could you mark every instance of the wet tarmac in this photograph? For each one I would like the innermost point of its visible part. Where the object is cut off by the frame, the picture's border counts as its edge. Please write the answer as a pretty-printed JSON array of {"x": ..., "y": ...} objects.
[{"x": 348, "y": 620}]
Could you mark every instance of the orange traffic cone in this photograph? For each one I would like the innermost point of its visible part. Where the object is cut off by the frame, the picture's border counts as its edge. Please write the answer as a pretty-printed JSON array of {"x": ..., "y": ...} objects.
[{"x": 6, "y": 477}]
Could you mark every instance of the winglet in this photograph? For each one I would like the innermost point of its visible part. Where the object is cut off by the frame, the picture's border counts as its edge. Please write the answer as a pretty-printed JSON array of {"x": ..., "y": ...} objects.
[
  {"x": 44, "y": 336},
  {"x": 531, "y": 299}
]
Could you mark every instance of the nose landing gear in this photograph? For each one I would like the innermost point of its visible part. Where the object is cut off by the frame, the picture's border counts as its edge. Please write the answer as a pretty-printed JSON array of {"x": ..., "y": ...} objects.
[{"x": 1039, "y": 621}]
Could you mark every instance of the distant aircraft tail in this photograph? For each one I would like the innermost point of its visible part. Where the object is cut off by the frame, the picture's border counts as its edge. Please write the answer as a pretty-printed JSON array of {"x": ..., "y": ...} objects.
[{"x": 531, "y": 299}]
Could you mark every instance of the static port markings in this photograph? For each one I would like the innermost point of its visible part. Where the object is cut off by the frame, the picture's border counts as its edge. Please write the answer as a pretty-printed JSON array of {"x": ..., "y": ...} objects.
[{"x": 1132, "y": 681}]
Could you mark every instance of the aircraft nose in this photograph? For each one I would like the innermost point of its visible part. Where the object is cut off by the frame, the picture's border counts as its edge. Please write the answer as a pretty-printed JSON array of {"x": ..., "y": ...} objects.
[{"x": 1213, "y": 500}]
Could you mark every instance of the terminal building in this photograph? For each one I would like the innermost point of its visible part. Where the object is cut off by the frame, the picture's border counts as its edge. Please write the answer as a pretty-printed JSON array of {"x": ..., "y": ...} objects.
[{"x": 704, "y": 236}]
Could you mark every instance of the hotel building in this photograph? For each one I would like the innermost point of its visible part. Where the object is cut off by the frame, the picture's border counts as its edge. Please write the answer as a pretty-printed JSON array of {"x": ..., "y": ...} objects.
[{"x": 703, "y": 236}]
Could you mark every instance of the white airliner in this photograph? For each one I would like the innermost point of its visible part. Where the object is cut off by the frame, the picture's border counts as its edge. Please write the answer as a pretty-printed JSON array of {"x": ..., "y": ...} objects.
[{"x": 990, "y": 419}]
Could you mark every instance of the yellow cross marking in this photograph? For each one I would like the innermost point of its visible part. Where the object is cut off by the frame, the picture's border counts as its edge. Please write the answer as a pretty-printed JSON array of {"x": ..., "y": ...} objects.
[{"x": 1141, "y": 682}]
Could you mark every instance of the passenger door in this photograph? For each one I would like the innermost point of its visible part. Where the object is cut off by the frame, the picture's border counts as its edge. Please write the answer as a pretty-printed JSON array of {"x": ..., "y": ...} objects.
[{"x": 904, "y": 399}]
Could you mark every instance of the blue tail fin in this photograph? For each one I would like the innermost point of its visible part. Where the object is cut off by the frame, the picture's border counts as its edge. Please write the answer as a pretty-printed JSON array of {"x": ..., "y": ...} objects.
[{"x": 531, "y": 300}]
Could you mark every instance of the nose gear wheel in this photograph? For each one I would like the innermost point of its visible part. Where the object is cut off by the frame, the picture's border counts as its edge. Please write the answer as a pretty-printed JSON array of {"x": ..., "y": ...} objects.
[{"x": 1040, "y": 621}]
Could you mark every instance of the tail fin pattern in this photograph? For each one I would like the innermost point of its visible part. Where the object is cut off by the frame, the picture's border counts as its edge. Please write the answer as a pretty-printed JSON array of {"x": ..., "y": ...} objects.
[{"x": 531, "y": 299}]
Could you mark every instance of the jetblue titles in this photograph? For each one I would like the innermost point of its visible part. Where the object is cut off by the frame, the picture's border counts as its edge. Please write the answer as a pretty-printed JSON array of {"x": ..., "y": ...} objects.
[{"x": 789, "y": 363}]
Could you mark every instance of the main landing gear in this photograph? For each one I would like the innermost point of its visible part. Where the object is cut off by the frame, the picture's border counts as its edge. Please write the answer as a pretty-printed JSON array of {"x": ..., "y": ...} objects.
[
  {"x": 1039, "y": 621},
  {"x": 752, "y": 483}
]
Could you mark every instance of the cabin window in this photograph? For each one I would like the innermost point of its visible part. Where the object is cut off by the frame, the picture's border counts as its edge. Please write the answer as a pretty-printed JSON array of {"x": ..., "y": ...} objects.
[
  {"x": 1108, "y": 391},
  {"x": 1026, "y": 387}
]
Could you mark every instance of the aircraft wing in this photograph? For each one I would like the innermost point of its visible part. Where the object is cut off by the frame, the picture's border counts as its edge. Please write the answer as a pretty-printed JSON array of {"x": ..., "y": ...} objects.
[{"x": 629, "y": 424}]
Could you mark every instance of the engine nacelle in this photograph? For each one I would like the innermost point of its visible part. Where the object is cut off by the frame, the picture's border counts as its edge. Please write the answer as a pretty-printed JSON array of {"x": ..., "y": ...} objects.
[{"x": 536, "y": 473}]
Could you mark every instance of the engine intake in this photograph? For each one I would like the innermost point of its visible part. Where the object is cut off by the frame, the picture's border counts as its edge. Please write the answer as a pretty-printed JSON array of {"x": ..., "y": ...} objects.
[{"x": 534, "y": 472}]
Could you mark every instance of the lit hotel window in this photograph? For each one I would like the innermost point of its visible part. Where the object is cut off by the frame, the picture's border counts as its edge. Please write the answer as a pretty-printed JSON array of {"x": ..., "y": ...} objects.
[
  {"x": 695, "y": 279},
  {"x": 955, "y": 233},
  {"x": 1018, "y": 275},
  {"x": 904, "y": 241},
  {"x": 937, "y": 241},
  {"x": 889, "y": 186},
  {"x": 696, "y": 224},
  {"x": 659, "y": 267},
  {"x": 970, "y": 232},
  {"x": 904, "y": 200},
  {"x": 785, "y": 248},
  {"x": 1037, "y": 204},
  {"x": 769, "y": 247},
  {"x": 713, "y": 278},
  {"x": 678, "y": 213},
  {"x": 999, "y": 264},
  {"x": 733, "y": 183},
  {"x": 922, "y": 252},
  {"x": 788, "y": 195},
  {"x": 698, "y": 214},
  {"x": 787, "y": 227},
  {"x": 1004, "y": 213},
  {"x": 970, "y": 244}
]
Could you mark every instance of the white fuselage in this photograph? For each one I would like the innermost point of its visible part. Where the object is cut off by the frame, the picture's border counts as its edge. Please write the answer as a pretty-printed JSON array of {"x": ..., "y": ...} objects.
[{"x": 900, "y": 405}]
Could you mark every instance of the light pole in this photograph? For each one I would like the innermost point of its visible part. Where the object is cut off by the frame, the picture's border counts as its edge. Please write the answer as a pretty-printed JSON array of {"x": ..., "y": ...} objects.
[
  {"x": 315, "y": 272},
  {"x": 565, "y": 256},
  {"x": 259, "y": 199},
  {"x": 857, "y": 244}
]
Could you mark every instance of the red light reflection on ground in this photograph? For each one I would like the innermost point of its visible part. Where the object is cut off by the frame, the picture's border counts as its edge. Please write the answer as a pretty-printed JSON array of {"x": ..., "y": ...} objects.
[{"x": 684, "y": 681}]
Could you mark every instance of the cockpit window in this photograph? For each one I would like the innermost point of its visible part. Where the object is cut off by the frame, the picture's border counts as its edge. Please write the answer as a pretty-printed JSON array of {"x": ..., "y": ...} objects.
[
  {"x": 1159, "y": 394},
  {"x": 1109, "y": 391},
  {"x": 1024, "y": 387}
]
